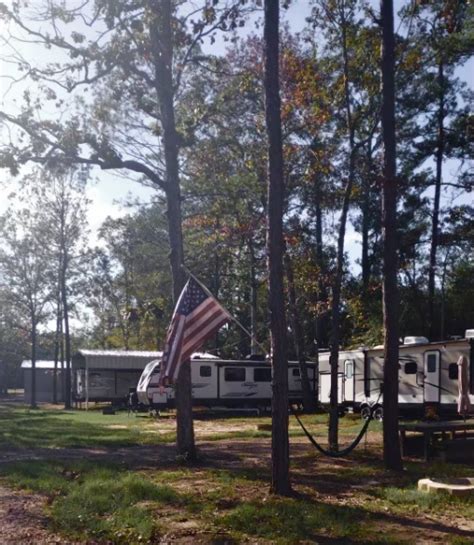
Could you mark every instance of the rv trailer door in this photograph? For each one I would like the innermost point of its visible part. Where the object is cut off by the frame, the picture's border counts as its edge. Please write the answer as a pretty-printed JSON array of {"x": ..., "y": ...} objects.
[
  {"x": 432, "y": 373},
  {"x": 349, "y": 378},
  {"x": 325, "y": 388}
]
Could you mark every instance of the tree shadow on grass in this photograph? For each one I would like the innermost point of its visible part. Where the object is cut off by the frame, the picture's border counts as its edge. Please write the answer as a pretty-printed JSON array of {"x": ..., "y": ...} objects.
[
  {"x": 385, "y": 520},
  {"x": 339, "y": 477},
  {"x": 30, "y": 429},
  {"x": 289, "y": 520}
]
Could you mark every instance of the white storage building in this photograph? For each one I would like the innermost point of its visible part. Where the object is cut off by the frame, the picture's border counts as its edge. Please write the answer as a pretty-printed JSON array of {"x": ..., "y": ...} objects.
[
  {"x": 107, "y": 375},
  {"x": 44, "y": 376}
]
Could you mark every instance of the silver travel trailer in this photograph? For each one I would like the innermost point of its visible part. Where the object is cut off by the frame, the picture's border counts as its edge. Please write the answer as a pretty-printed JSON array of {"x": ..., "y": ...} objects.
[
  {"x": 223, "y": 383},
  {"x": 428, "y": 376}
]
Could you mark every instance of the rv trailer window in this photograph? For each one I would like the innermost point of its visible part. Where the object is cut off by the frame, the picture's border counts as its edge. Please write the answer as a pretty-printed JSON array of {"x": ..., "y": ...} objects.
[
  {"x": 234, "y": 374},
  {"x": 154, "y": 379},
  {"x": 349, "y": 368},
  {"x": 262, "y": 375},
  {"x": 453, "y": 371},
  {"x": 411, "y": 368},
  {"x": 205, "y": 371},
  {"x": 431, "y": 367},
  {"x": 296, "y": 372}
]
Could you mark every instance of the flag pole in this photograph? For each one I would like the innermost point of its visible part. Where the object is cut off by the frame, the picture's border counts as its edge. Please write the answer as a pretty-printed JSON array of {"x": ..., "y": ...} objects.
[{"x": 242, "y": 327}]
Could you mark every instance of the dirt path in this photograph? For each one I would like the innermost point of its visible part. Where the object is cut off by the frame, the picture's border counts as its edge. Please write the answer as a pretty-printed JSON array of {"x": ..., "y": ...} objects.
[{"x": 22, "y": 520}]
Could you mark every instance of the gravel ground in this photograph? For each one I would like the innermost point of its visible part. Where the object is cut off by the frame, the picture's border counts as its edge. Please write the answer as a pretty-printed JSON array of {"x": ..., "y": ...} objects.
[{"x": 22, "y": 520}]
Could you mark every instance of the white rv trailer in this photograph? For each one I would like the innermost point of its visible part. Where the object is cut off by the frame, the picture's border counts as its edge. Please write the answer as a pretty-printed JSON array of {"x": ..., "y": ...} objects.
[
  {"x": 223, "y": 383},
  {"x": 428, "y": 376},
  {"x": 349, "y": 377}
]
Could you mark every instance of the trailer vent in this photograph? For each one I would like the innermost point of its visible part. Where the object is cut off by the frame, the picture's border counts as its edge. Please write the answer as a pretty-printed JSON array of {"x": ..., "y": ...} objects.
[
  {"x": 469, "y": 334},
  {"x": 415, "y": 340}
]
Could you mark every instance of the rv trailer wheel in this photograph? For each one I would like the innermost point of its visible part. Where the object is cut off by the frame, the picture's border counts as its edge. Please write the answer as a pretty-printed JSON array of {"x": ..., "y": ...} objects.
[
  {"x": 342, "y": 411},
  {"x": 365, "y": 412},
  {"x": 378, "y": 414}
]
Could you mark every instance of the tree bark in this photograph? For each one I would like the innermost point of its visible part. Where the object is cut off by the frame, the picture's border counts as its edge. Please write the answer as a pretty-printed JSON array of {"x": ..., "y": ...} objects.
[
  {"x": 365, "y": 262},
  {"x": 67, "y": 336},
  {"x": 63, "y": 271},
  {"x": 442, "y": 326},
  {"x": 56, "y": 348},
  {"x": 184, "y": 414},
  {"x": 337, "y": 284},
  {"x": 161, "y": 34},
  {"x": 33, "y": 361},
  {"x": 319, "y": 229},
  {"x": 309, "y": 399},
  {"x": 333, "y": 438},
  {"x": 254, "y": 348},
  {"x": 280, "y": 443},
  {"x": 436, "y": 203},
  {"x": 392, "y": 457},
  {"x": 61, "y": 358},
  {"x": 322, "y": 295},
  {"x": 217, "y": 279}
]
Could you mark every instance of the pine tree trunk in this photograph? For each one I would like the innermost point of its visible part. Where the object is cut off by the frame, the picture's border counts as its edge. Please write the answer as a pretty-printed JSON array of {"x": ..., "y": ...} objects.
[
  {"x": 333, "y": 439},
  {"x": 61, "y": 358},
  {"x": 392, "y": 457},
  {"x": 442, "y": 318},
  {"x": 309, "y": 399},
  {"x": 436, "y": 205},
  {"x": 319, "y": 231},
  {"x": 161, "y": 34},
  {"x": 254, "y": 349},
  {"x": 322, "y": 295},
  {"x": 56, "y": 348},
  {"x": 216, "y": 285},
  {"x": 67, "y": 336},
  {"x": 365, "y": 263},
  {"x": 184, "y": 414},
  {"x": 280, "y": 443},
  {"x": 33, "y": 362}
]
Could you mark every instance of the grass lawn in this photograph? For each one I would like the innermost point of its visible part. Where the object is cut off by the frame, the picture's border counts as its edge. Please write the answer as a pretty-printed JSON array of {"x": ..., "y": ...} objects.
[
  {"x": 56, "y": 428},
  {"x": 224, "y": 498}
]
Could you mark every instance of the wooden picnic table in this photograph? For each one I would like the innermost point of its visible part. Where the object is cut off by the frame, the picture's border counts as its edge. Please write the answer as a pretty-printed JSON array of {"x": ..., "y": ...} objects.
[{"x": 429, "y": 429}]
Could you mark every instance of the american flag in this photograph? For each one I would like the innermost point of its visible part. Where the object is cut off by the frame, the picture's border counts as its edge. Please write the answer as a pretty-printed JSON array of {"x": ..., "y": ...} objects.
[{"x": 197, "y": 317}]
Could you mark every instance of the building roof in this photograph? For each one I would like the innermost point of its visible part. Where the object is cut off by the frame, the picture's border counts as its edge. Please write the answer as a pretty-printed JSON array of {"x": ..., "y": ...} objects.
[
  {"x": 136, "y": 354},
  {"x": 120, "y": 359},
  {"x": 121, "y": 353},
  {"x": 39, "y": 364}
]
